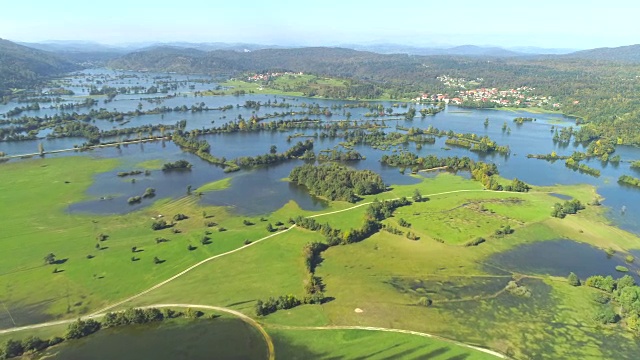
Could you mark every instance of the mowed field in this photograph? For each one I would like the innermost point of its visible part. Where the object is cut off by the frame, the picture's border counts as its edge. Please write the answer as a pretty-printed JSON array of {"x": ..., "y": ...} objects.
[{"x": 378, "y": 282}]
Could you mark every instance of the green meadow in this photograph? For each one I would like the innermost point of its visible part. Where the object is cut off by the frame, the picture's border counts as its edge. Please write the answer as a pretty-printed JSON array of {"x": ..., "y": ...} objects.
[{"x": 382, "y": 281}]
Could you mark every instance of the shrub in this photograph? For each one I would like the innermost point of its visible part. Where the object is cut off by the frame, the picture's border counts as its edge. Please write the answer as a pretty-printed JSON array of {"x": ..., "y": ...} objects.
[
  {"x": 425, "y": 301},
  {"x": 475, "y": 242},
  {"x": 149, "y": 193},
  {"x": 134, "y": 200},
  {"x": 629, "y": 259},
  {"x": 159, "y": 225},
  {"x": 178, "y": 217}
]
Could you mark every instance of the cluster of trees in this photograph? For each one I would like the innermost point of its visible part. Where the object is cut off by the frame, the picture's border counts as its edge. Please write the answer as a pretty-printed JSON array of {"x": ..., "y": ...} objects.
[
  {"x": 81, "y": 328},
  {"x": 569, "y": 207},
  {"x": 18, "y": 110},
  {"x": 132, "y": 316},
  {"x": 374, "y": 214},
  {"x": 521, "y": 120},
  {"x": 484, "y": 145},
  {"x": 582, "y": 168},
  {"x": 177, "y": 165},
  {"x": 622, "y": 294},
  {"x": 337, "y": 182},
  {"x": 517, "y": 186},
  {"x": 296, "y": 151},
  {"x": 272, "y": 305},
  {"x": 629, "y": 180},
  {"x": 380, "y": 210},
  {"x": 337, "y": 155}
]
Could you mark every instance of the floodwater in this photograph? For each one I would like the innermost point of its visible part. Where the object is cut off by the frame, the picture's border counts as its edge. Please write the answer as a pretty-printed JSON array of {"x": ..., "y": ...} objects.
[
  {"x": 198, "y": 339},
  {"x": 261, "y": 190},
  {"x": 559, "y": 258}
]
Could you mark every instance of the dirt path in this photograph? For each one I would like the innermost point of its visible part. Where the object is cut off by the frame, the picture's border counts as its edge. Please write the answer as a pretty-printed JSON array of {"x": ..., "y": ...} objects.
[{"x": 409, "y": 332}]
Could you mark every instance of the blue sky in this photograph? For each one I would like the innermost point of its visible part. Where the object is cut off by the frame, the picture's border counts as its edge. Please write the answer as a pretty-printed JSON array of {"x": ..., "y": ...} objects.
[{"x": 542, "y": 23}]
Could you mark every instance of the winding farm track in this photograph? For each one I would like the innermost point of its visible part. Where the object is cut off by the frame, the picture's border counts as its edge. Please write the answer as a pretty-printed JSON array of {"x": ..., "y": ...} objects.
[{"x": 244, "y": 317}]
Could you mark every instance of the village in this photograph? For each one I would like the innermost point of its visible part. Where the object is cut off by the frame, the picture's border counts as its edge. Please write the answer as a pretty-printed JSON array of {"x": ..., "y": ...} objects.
[
  {"x": 268, "y": 76},
  {"x": 487, "y": 97}
]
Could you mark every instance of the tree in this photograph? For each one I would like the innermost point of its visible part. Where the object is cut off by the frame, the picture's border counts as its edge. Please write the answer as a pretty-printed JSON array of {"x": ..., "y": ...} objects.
[
  {"x": 156, "y": 260},
  {"x": 273, "y": 149},
  {"x": 573, "y": 279},
  {"x": 270, "y": 228},
  {"x": 417, "y": 197},
  {"x": 40, "y": 149},
  {"x": 50, "y": 259},
  {"x": 411, "y": 113}
]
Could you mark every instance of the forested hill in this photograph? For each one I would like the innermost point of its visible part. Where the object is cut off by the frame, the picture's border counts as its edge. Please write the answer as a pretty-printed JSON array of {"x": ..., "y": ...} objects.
[
  {"x": 321, "y": 60},
  {"x": 21, "y": 66},
  {"x": 629, "y": 53}
]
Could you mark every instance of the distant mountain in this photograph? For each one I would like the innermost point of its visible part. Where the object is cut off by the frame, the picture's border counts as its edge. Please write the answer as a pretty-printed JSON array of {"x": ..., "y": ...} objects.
[
  {"x": 465, "y": 50},
  {"x": 21, "y": 66},
  {"x": 72, "y": 46},
  {"x": 533, "y": 50},
  {"x": 82, "y": 52},
  {"x": 210, "y": 46},
  {"x": 629, "y": 53},
  {"x": 472, "y": 50}
]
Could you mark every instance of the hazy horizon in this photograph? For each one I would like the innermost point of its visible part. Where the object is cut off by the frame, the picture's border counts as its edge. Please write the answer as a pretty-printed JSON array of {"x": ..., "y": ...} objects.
[{"x": 547, "y": 24}]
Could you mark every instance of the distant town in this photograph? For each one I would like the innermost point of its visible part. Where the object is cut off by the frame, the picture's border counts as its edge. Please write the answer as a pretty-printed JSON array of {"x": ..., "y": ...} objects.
[{"x": 518, "y": 97}]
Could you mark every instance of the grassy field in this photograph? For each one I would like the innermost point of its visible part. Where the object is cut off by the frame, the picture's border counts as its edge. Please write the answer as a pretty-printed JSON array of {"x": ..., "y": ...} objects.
[
  {"x": 32, "y": 292},
  {"x": 363, "y": 344},
  {"x": 383, "y": 277}
]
